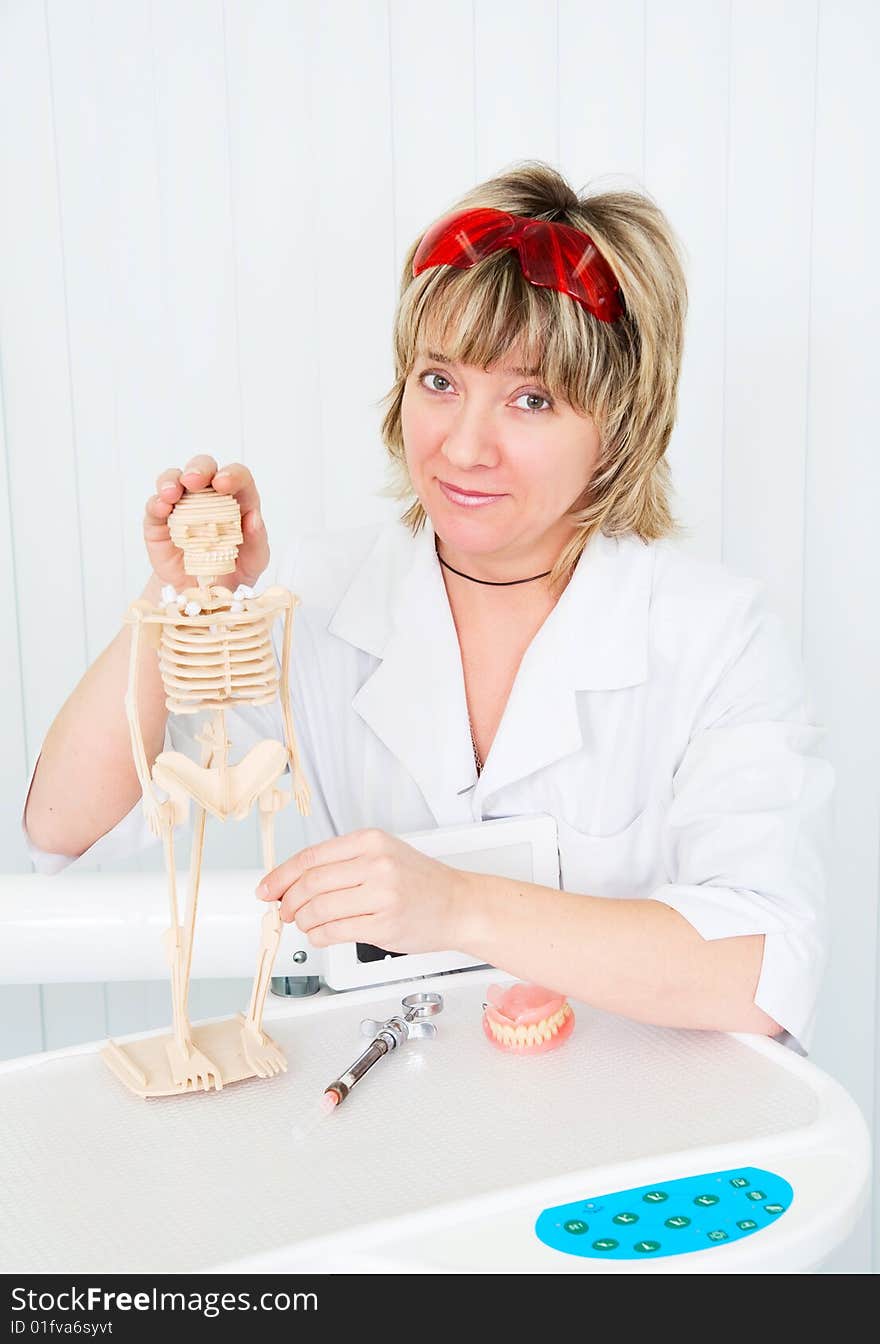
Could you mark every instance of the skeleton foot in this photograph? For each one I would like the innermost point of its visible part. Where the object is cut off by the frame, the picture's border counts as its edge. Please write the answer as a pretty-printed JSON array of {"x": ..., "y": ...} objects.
[
  {"x": 190, "y": 1068},
  {"x": 261, "y": 1053}
]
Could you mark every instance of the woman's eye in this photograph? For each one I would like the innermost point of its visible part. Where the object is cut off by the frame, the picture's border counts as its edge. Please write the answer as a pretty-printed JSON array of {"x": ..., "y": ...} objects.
[
  {"x": 432, "y": 376},
  {"x": 535, "y": 396}
]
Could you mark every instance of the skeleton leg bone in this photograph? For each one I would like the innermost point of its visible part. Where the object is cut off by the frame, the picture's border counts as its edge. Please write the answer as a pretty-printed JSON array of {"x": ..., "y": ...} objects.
[
  {"x": 209, "y": 747},
  {"x": 261, "y": 1053},
  {"x": 189, "y": 1066}
]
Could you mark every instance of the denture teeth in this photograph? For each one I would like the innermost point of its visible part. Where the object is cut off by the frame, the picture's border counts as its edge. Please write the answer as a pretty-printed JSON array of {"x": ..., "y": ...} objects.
[{"x": 532, "y": 1033}]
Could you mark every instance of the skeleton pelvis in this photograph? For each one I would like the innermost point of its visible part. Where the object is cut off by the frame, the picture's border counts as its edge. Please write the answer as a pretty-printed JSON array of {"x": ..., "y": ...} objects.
[{"x": 227, "y": 793}]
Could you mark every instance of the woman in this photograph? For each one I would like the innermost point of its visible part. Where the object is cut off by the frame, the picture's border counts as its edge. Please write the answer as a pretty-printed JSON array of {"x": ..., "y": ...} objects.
[{"x": 527, "y": 638}]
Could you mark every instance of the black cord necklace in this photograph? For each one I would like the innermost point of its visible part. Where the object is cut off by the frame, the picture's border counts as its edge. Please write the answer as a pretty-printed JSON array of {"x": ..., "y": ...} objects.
[{"x": 493, "y": 583}]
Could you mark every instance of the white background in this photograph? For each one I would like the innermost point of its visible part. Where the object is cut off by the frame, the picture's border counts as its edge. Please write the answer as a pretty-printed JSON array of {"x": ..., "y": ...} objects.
[{"x": 205, "y": 207}]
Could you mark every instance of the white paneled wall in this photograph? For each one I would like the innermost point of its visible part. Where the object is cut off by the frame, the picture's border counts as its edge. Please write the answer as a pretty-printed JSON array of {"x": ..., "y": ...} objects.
[{"x": 206, "y": 208}]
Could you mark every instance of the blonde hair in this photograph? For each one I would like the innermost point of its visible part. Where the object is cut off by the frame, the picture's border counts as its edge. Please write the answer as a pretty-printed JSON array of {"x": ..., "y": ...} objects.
[{"x": 623, "y": 374}]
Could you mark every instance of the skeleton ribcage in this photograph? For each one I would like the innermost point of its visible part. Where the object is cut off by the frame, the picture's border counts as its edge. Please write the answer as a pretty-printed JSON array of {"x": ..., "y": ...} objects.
[{"x": 213, "y": 664}]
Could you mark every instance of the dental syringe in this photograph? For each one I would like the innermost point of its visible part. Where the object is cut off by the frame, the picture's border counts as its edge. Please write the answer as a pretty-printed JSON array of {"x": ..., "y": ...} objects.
[{"x": 386, "y": 1036}]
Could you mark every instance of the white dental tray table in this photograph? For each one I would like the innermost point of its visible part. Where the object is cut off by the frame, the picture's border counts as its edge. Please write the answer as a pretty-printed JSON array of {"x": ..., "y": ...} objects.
[{"x": 449, "y": 1155}]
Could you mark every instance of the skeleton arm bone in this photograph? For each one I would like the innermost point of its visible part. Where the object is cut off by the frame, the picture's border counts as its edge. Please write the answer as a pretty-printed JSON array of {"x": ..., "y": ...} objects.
[
  {"x": 154, "y": 811},
  {"x": 301, "y": 792}
]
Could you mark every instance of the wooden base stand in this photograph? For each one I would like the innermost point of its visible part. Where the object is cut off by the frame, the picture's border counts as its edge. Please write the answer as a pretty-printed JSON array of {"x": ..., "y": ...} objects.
[{"x": 221, "y": 1055}]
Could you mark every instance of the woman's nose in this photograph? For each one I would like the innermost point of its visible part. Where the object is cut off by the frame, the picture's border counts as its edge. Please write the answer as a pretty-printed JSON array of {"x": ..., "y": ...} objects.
[{"x": 471, "y": 441}]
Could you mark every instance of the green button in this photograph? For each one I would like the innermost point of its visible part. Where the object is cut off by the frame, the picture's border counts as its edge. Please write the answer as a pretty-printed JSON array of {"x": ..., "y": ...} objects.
[
  {"x": 605, "y": 1244},
  {"x": 655, "y": 1197},
  {"x": 576, "y": 1226},
  {"x": 678, "y": 1221},
  {"x": 705, "y": 1201},
  {"x": 738, "y": 1182},
  {"x": 774, "y": 1208},
  {"x": 717, "y": 1235},
  {"x": 756, "y": 1194},
  {"x": 645, "y": 1247},
  {"x": 625, "y": 1218},
  {"x": 747, "y": 1224}
]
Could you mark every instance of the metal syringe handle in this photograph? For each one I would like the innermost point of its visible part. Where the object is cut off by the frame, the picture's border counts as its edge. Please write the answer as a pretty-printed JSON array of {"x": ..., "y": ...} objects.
[
  {"x": 388, "y": 1036},
  {"x": 411, "y": 1024}
]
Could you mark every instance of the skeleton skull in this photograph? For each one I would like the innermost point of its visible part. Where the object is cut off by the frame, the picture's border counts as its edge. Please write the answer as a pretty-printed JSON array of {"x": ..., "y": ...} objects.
[{"x": 206, "y": 526}]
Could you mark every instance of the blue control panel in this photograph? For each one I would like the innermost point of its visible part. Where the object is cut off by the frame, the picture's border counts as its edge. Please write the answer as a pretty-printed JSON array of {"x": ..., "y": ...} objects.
[{"x": 693, "y": 1213}]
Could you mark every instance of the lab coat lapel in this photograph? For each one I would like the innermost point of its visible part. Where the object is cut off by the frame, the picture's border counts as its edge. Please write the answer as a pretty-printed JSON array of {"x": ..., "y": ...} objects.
[
  {"x": 397, "y": 609},
  {"x": 595, "y": 638},
  {"x": 414, "y": 701}
]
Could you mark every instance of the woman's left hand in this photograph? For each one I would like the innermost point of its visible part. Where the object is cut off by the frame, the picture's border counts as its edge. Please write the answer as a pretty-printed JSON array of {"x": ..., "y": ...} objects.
[{"x": 369, "y": 887}]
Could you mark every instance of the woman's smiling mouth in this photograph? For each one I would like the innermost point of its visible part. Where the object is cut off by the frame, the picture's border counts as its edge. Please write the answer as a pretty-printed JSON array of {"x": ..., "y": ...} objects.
[{"x": 468, "y": 499}]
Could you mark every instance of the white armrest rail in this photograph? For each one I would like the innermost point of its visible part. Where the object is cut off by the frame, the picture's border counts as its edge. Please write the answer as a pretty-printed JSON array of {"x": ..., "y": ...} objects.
[{"x": 109, "y": 926}]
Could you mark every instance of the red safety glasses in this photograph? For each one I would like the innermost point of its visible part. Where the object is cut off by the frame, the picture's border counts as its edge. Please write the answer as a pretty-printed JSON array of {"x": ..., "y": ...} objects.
[{"x": 554, "y": 256}]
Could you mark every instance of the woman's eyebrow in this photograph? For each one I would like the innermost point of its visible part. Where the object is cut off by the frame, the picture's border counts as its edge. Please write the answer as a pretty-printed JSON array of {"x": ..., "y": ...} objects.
[{"x": 520, "y": 373}]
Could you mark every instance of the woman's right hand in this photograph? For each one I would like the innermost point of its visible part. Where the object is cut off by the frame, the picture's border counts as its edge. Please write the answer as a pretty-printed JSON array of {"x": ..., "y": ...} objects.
[{"x": 167, "y": 559}]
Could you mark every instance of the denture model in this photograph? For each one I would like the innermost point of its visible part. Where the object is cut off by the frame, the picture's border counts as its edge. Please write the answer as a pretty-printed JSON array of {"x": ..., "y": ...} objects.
[{"x": 526, "y": 1019}]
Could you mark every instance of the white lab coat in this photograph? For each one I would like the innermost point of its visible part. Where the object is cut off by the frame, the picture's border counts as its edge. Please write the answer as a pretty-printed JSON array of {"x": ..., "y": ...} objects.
[{"x": 659, "y": 715}]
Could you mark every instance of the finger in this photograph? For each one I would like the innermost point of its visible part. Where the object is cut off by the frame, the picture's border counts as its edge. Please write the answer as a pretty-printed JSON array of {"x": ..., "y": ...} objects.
[
  {"x": 339, "y": 847},
  {"x": 366, "y": 929},
  {"x": 324, "y": 898},
  {"x": 347, "y": 896},
  {"x": 198, "y": 472},
  {"x": 237, "y": 480},
  {"x": 320, "y": 882},
  {"x": 253, "y": 557},
  {"x": 156, "y": 512},
  {"x": 156, "y": 531},
  {"x": 253, "y": 527},
  {"x": 168, "y": 485},
  {"x": 156, "y": 534}
]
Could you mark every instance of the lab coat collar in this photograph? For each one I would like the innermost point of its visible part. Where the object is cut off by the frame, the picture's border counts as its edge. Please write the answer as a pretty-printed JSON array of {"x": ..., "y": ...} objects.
[{"x": 397, "y": 609}]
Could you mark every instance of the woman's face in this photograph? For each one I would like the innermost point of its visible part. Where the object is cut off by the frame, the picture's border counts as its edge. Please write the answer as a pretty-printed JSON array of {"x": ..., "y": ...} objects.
[{"x": 498, "y": 434}]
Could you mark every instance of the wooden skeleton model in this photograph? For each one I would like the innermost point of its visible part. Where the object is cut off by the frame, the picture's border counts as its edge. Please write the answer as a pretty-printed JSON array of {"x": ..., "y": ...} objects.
[{"x": 215, "y": 651}]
